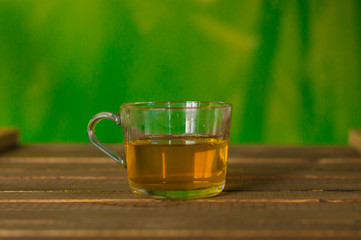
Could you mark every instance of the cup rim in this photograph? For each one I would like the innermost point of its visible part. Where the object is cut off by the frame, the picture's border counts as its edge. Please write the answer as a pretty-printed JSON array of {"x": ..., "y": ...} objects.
[{"x": 135, "y": 105}]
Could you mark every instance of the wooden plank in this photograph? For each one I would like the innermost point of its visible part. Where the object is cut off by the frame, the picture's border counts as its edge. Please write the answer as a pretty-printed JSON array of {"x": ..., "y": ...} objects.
[
  {"x": 354, "y": 139},
  {"x": 231, "y": 160},
  {"x": 112, "y": 169},
  {"x": 231, "y": 185},
  {"x": 9, "y": 137},
  {"x": 182, "y": 233},
  {"x": 244, "y": 196},
  {"x": 235, "y": 151},
  {"x": 75, "y": 194},
  {"x": 177, "y": 215},
  {"x": 188, "y": 214},
  {"x": 241, "y": 176},
  {"x": 300, "y": 176},
  {"x": 229, "y": 178}
]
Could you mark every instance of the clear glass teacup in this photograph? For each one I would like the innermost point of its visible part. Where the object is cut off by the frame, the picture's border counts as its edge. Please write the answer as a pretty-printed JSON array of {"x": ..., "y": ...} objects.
[{"x": 173, "y": 149}]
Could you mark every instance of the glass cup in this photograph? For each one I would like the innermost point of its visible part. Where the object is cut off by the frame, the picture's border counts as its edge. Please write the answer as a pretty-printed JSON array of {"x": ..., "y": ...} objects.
[{"x": 173, "y": 150}]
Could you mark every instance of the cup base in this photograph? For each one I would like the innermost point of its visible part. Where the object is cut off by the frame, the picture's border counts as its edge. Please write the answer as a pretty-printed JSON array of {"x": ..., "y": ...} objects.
[{"x": 179, "y": 194}]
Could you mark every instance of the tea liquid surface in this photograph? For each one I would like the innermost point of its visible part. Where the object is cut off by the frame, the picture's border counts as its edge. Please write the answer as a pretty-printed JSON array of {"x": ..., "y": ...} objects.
[{"x": 177, "y": 162}]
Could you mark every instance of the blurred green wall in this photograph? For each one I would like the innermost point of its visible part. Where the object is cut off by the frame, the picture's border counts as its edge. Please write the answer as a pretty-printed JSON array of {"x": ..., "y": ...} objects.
[{"x": 291, "y": 69}]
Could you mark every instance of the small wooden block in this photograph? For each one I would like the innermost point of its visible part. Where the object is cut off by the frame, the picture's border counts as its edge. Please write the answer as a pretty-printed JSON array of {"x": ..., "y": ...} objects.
[
  {"x": 354, "y": 139},
  {"x": 9, "y": 137}
]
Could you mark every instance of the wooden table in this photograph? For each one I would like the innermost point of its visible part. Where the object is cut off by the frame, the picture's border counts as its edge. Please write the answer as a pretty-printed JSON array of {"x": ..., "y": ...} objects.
[{"x": 272, "y": 192}]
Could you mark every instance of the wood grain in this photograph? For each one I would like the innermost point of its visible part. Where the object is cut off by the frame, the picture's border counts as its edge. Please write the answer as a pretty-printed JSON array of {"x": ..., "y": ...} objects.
[
  {"x": 272, "y": 192},
  {"x": 354, "y": 139},
  {"x": 181, "y": 233},
  {"x": 235, "y": 151},
  {"x": 9, "y": 137}
]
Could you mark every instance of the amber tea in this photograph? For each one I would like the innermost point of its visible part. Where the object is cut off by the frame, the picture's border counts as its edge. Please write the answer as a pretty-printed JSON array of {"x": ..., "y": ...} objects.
[{"x": 177, "y": 163}]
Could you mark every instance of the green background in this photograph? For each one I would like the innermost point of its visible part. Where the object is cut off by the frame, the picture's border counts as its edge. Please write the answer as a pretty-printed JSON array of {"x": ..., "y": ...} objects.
[{"x": 291, "y": 69}]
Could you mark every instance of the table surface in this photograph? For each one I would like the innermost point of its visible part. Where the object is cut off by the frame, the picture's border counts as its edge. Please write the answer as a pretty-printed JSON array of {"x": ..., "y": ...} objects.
[{"x": 272, "y": 192}]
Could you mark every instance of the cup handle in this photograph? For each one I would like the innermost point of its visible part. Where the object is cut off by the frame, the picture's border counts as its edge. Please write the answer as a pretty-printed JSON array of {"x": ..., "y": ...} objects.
[{"x": 91, "y": 134}]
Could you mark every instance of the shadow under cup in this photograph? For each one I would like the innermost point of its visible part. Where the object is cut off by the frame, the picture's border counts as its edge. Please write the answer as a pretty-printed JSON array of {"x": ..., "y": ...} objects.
[{"x": 173, "y": 150}]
